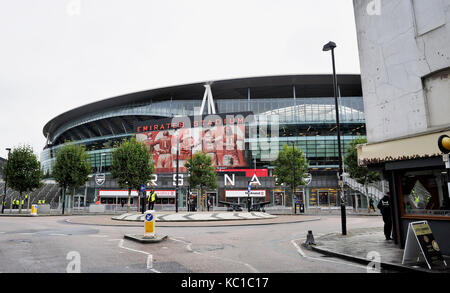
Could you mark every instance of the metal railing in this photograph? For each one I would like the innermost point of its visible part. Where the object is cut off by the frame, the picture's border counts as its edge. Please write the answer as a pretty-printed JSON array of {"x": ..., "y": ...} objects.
[{"x": 373, "y": 191}]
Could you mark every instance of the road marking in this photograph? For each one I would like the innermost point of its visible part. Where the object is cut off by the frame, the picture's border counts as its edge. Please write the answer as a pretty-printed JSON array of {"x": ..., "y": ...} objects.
[
  {"x": 114, "y": 239},
  {"x": 57, "y": 234},
  {"x": 99, "y": 236},
  {"x": 189, "y": 247},
  {"x": 149, "y": 256},
  {"x": 2, "y": 232},
  {"x": 26, "y": 233},
  {"x": 299, "y": 250},
  {"x": 303, "y": 254}
]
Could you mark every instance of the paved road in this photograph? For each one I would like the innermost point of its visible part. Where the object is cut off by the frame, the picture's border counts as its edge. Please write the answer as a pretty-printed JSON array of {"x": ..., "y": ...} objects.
[{"x": 42, "y": 245}]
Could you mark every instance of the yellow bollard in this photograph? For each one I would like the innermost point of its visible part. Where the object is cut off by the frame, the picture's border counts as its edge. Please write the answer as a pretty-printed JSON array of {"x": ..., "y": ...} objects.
[
  {"x": 149, "y": 224},
  {"x": 34, "y": 210}
]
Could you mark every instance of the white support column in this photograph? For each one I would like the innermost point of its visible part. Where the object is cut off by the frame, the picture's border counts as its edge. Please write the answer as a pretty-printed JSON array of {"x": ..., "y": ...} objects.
[
  {"x": 210, "y": 99},
  {"x": 202, "y": 107},
  {"x": 208, "y": 96}
]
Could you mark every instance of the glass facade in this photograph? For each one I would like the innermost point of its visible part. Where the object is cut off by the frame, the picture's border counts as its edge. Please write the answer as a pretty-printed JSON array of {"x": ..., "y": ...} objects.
[{"x": 307, "y": 122}]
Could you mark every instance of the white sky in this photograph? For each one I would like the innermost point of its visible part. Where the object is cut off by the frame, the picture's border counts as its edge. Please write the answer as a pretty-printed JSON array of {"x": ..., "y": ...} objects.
[{"x": 56, "y": 55}]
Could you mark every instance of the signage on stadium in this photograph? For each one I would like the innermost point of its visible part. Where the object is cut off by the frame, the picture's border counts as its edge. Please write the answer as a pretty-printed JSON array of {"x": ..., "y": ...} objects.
[
  {"x": 244, "y": 193},
  {"x": 248, "y": 172},
  {"x": 134, "y": 193},
  {"x": 172, "y": 141},
  {"x": 210, "y": 120}
]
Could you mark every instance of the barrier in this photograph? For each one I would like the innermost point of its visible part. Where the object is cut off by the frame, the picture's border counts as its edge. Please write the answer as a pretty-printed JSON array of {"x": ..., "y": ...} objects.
[
  {"x": 34, "y": 210},
  {"x": 97, "y": 208},
  {"x": 43, "y": 209},
  {"x": 149, "y": 224}
]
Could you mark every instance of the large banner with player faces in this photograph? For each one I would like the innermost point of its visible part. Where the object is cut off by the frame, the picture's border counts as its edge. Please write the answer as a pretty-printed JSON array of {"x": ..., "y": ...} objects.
[{"x": 223, "y": 141}]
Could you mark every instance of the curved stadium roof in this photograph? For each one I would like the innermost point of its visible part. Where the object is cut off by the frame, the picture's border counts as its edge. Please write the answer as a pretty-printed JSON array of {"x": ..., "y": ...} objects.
[{"x": 318, "y": 85}]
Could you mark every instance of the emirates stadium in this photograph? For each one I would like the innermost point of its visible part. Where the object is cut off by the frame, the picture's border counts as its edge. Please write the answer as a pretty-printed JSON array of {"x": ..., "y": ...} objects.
[{"x": 288, "y": 110}]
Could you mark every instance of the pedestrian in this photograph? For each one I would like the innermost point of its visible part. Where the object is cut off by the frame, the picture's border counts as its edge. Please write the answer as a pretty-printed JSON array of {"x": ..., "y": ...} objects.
[
  {"x": 190, "y": 202},
  {"x": 122, "y": 202},
  {"x": 372, "y": 208},
  {"x": 385, "y": 208},
  {"x": 152, "y": 199}
]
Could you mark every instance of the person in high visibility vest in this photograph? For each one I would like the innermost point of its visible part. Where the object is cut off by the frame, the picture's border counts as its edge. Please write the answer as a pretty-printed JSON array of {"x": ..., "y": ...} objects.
[{"x": 151, "y": 199}]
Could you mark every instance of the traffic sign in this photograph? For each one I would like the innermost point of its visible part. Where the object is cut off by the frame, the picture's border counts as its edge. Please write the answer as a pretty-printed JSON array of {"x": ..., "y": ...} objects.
[
  {"x": 149, "y": 224},
  {"x": 143, "y": 187}
]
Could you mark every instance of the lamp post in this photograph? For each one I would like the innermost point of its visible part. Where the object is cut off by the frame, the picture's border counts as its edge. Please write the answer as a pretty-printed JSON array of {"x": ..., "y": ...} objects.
[
  {"x": 6, "y": 181},
  {"x": 294, "y": 204},
  {"x": 178, "y": 160},
  {"x": 327, "y": 47}
]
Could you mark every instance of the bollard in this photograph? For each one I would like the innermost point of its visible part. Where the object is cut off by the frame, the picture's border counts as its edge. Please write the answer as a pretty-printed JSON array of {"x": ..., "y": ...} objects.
[
  {"x": 34, "y": 210},
  {"x": 302, "y": 208},
  {"x": 149, "y": 224},
  {"x": 310, "y": 239}
]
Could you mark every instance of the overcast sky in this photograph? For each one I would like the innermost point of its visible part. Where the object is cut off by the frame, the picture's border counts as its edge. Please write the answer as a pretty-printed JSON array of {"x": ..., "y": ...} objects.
[{"x": 56, "y": 55}]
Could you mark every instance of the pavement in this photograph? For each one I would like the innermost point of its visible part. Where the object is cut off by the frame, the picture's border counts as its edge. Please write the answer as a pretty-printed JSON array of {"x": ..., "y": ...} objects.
[
  {"x": 202, "y": 221},
  {"x": 358, "y": 243}
]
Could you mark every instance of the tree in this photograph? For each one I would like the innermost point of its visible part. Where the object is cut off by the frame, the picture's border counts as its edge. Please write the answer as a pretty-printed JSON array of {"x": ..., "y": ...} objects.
[
  {"x": 71, "y": 169},
  {"x": 202, "y": 172},
  {"x": 24, "y": 171},
  {"x": 291, "y": 168},
  {"x": 132, "y": 166},
  {"x": 361, "y": 174}
]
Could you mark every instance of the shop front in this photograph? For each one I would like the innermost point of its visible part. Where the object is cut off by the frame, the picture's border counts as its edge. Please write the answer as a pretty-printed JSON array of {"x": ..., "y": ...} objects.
[
  {"x": 418, "y": 183},
  {"x": 421, "y": 193}
]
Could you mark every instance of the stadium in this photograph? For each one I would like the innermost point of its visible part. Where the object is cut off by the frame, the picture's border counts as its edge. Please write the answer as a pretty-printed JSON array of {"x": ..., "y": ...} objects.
[{"x": 292, "y": 109}]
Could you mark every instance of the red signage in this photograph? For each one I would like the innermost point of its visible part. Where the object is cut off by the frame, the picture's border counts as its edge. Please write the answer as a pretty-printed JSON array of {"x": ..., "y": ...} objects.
[{"x": 248, "y": 172}]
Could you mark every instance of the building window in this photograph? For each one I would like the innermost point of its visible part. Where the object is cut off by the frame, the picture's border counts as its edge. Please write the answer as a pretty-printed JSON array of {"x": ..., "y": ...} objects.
[
  {"x": 437, "y": 92},
  {"x": 425, "y": 193},
  {"x": 428, "y": 15}
]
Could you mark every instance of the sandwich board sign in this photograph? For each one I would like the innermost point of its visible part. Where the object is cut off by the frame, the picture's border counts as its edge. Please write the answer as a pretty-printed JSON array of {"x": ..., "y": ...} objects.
[{"x": 420, "y": 243}]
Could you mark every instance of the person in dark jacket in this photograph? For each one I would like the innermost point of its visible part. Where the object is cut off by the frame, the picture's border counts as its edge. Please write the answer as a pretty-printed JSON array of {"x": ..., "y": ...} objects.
[
  {"x": 371, "y": 207},
  {"x": 385, "y": 208}
]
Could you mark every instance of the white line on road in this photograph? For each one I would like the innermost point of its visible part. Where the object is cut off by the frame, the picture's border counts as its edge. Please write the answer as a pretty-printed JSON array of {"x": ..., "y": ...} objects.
[
  {"x": 99, "y": 236},
  {"x": 114, "y": 239},
  {"x": 25, "y": 233},
  {"x": 303, "y": 254},
  {"x": 188, "y": 246},
  {"x": 57, "y": 234},
  {"x": 149, "y": 256},
  {"x": 299, "y": 250}
]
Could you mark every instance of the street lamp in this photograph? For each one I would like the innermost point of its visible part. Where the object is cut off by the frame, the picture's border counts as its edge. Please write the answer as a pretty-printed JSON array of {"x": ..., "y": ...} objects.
[
  {"x": 6, "y": 182},
  {"x": 177, "y": 173},
  {"x": 327, "y": 47}
]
